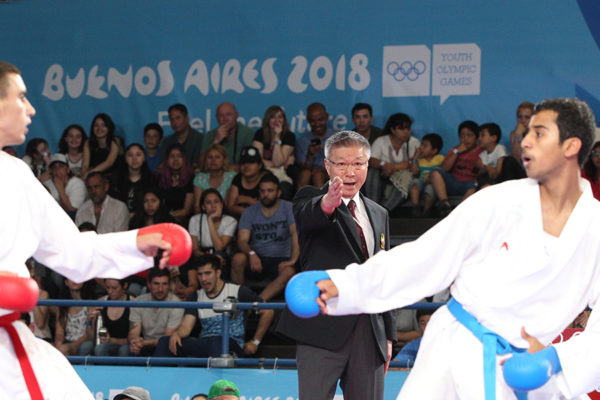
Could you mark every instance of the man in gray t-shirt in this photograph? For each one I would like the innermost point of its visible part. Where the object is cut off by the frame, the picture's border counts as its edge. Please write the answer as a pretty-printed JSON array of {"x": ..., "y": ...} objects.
[
  {"x": 147, "y": 325},
  {"x": 267, "y": 240}
]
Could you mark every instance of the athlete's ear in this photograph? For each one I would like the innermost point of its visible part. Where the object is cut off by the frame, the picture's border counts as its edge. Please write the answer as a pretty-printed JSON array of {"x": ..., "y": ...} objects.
[{"x": 571, "y": 147}]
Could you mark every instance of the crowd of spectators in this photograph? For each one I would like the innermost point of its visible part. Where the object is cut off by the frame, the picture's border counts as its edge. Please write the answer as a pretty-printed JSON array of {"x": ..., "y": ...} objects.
[{"x": 232, "y": 189}]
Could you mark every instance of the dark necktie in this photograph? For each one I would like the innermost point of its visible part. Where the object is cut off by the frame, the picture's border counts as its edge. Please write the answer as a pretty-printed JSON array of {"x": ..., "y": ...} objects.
[{"x": 363, "y": 242}]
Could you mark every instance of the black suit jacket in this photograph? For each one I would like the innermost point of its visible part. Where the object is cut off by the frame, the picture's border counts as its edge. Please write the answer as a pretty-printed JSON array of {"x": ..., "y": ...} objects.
[{"x": 332, "y": 243}]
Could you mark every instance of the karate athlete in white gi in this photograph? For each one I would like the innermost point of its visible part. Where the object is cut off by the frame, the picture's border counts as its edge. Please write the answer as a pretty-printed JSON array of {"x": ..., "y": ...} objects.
[
  {"x": 522, "y": 254},
  {"x": 33, "y": 224}
]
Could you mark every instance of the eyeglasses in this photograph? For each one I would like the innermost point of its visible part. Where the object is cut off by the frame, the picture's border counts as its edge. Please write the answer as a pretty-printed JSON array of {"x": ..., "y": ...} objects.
[
  {"x": 343, "y": 166},
  {"x": 595, "y": 153}
]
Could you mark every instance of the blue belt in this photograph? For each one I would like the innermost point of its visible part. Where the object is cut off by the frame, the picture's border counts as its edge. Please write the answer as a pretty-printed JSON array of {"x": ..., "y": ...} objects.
[{"x": 492, "y": 344}]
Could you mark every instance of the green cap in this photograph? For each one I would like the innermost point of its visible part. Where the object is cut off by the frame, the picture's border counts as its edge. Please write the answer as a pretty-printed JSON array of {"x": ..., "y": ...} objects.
[{"x": 223, "y": 387}]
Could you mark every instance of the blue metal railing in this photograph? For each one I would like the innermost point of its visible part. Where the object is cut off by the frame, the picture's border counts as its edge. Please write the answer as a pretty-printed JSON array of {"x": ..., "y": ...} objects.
[{"x": 226, "y": 308}]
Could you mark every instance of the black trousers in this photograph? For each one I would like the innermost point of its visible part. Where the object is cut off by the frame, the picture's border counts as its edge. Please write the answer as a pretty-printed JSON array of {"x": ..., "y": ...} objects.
[{"x": 358, "y": 366}]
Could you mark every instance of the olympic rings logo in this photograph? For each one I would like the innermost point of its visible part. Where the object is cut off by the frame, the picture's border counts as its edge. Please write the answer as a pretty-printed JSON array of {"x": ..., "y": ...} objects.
[{"x": 406, "y": 70}]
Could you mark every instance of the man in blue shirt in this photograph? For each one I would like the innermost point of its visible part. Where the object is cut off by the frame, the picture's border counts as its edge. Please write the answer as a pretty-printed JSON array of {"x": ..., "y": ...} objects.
[{"x": 267, "y": 240}]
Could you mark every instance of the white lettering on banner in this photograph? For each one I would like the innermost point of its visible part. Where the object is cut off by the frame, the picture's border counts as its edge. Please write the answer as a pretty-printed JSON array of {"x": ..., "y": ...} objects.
[
  {"x": 75, "y": 85},
  {"x": 232, "y": 77},
  {"x": 144, "y": 81},
  {"x": 456, "y": 70},
  {"x": 358, "y": 77},
  {"x": 297, "y": 122}
]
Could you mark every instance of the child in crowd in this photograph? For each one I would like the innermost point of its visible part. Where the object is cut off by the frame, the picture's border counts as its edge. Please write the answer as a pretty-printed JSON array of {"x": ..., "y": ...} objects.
[
  {"x": 458, "y": 173},
  {"x": 37, "y": 157},
  {"x": 391, "y": 154},
  {"x": 153, "y": 134},
  {"x": 492, "y": 156},
  {"x": 71, "y": 145},
  {"x": 427, "y": 157}
]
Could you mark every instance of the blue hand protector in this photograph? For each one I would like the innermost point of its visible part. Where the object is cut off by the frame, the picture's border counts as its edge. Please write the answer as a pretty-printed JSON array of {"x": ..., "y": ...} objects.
[{"x": 302, "y": 291}]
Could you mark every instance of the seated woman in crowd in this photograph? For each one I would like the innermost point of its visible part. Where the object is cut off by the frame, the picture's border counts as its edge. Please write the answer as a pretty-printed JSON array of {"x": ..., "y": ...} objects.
[
  {"x": 215, "y": 174},
  {"x": 68, "y": 190},
  {"x": 275, "y": 143},
  {"x": 101, "y": 150},
  {"x": 212, "y": 231},
  {"x": 458, "y": 173},
  {"x": 114, "y": 319},
  {"x": 150, "y": 209},
  {"x": 244, "y": 188},
  {"x": 72, "y": 324},
  {"x": 591, "y": 170},
  {"x": 37, "y": 157},
  {"x": 71, "y": 145},
  {"x": 175, "y": 181},
  {"x": 132, "y": 177}
]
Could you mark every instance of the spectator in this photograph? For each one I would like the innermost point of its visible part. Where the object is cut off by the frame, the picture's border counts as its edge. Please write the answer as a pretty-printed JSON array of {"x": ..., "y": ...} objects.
[
  {"x": 591, "y": 170},
  {"x": 392, "y": 155},
  {"x": 492, "y": 156},
  {"x": 524, "y": 113},
  {"x": 244, "y": 187},
  {"x": 458, "y": 173},
  {"x": 72, "y": 327},
  {"x": 309, "y": 147},
  {"x": 147, "y": 325},
  {"x": 200, "y": 396},
  {"x": 224, "y": 390},
  {"x": 427, "y": 157},
  {"x": 104, "y": 212},
  {"x": 175, "y": 180},
  {"x": 362, "y": 116},
  {"x": 408, "y": 354},
  {"x": 275, "y": 143},
  {"x": 40, "y": 315},
  {"x": 211, "y": 230},
  {"x": 37, "y": 157},
  {"x": 115, "y": 320},
  {"x": 267, "y": 240},
  {"x": 153, "y": 134},
  {"x": 101, "y": 150},
  {"x": 231, "y": 134},
  {"x": 150, "y": 209},
  {"x": 133, "y": 177},
  {"x": 71, "y": 145},
  {"x": 215, "y": 174},
  {"x": 189, "y": 139},
  {"x": 67, "y": 189},
  {"x": 208, "y": 343},
  {"x": 133, "y": 393}
]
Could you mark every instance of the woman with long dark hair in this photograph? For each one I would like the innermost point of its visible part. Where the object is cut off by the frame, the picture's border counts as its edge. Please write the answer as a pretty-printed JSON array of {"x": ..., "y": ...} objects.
[
  {"x": 175, "y": 181},
  {"x": 132, "y": 177},
  {"x": 101, "y": 150},
  {"x": 71, "y": 144}
]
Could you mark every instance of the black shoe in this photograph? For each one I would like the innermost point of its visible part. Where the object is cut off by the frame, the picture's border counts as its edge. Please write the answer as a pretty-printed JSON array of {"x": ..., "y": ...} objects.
[
  {"x": 445, "y": 209},
  {"x": 415, "y": 211}
]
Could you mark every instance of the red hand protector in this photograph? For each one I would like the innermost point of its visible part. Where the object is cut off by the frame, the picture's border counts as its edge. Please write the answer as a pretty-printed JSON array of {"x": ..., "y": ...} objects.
[
  {"x": 180, "y": 240},
  {"x": 17, "y": 293}
]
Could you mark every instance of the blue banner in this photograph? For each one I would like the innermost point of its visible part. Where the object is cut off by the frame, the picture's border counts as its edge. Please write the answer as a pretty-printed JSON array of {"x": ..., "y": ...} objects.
[
  {"x": 440, "y": 62},
  {"x": 166, "y": 383}
]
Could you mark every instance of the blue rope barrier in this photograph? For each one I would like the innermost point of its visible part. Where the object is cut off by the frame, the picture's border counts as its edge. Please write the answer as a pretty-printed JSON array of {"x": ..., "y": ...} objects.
[
  {"x": 225, "y": 361},
  {"x": 191, "y": 304},
  {"x": 195, "y": 361}
]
